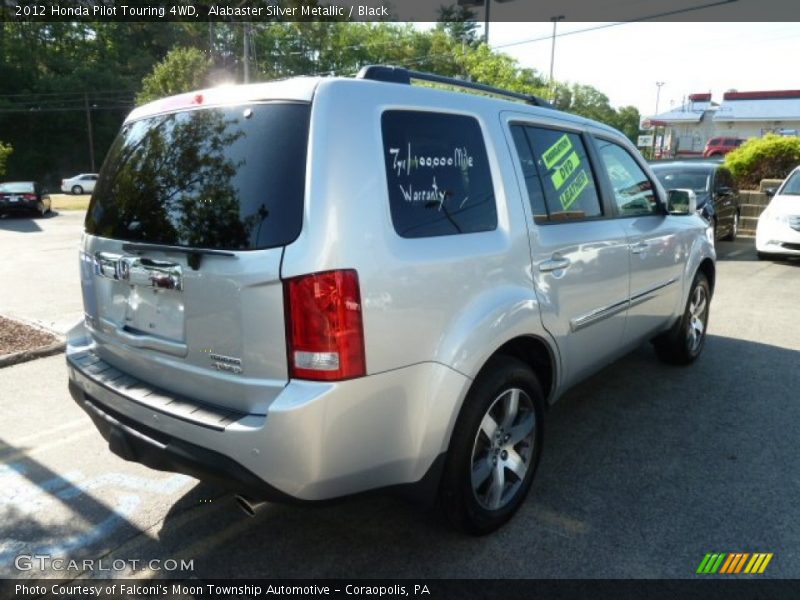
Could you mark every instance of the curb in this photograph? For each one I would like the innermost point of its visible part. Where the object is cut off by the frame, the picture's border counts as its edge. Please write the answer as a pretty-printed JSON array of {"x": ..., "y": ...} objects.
[{"x": 6, "y": 360}]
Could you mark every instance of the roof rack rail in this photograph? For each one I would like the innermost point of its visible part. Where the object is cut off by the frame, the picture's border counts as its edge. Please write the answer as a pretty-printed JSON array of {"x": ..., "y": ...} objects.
[{"x": 390, "y": 74}]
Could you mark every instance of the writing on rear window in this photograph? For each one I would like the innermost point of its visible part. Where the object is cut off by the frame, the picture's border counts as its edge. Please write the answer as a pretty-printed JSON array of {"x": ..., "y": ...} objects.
[{"x": 438, "y": 174}]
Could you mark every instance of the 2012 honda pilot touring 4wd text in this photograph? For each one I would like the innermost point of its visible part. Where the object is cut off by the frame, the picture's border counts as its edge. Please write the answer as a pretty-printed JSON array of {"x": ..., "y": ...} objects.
[{"x": 316, "y": 287}]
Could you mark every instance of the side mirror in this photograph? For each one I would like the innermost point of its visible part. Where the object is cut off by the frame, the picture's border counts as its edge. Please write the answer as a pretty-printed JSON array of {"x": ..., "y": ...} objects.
[
  {"x": 681, "y": 202},
  {"x": 770, "y": 192}
]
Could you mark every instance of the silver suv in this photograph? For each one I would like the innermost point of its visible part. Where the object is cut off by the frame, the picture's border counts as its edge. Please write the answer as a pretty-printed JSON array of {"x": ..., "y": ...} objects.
[{"x": 316, "y": 287}]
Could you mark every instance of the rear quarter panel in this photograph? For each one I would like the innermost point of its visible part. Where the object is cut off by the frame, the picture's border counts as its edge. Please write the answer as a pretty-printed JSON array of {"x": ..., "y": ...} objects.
[{"x": 450, "y": 299}]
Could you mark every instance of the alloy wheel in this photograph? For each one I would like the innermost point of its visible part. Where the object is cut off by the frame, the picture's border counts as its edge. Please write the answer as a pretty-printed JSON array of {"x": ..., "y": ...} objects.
[
  {"x": 698, "y": 316},
  {"x": 503, "y": 447}
]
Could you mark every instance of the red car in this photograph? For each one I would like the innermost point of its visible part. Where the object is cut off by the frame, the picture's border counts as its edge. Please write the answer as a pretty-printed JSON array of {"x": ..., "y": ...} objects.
[{"x": 720, "y": 146}]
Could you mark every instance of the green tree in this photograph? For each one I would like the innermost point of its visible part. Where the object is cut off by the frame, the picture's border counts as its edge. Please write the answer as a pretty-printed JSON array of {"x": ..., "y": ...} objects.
[
  {"x": 627, "y": 120},
  {"x": 589, "y": 102},
  {"x": 182, "y": 70},
  {"x": 5, "y": 151}
]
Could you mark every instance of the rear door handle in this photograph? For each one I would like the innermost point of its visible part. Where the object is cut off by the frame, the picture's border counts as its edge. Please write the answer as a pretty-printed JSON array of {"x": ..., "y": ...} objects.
[
  {"x": 639, "y": 247},
  {"x": 554, "y": 264}
]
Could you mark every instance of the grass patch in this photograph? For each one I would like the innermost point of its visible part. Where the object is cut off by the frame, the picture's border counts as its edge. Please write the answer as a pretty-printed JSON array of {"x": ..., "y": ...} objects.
[{"x": 70, "y": 202}]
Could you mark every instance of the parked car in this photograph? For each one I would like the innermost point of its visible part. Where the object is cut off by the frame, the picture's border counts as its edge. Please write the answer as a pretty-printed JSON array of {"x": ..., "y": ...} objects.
[
  {"x": 393, "y": 303},
  {"x": 717, "y": 192},
  {"x": 720, "y": 146},
  {"x": 80, "y": 184},
  {"x": 24, "y": 196},
  {"x": 778, "y": 228}
]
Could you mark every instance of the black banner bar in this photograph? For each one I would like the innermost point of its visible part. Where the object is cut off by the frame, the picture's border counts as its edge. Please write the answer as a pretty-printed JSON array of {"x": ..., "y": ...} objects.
[
  {"x": 198, "y": 589},
  {"x": 397, "y": 10}
]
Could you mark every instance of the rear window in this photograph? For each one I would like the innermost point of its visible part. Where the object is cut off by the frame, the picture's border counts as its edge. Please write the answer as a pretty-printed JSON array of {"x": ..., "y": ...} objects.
[
  {"x": 16, "y": 188},
  {"x": 228, "y": 178},
  {"x": 693, "y": 179},
  {"x": 438, "y": 174}
]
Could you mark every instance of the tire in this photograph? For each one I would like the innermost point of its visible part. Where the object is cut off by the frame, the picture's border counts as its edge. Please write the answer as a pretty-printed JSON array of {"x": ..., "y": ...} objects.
[
  {"x": 77, "y": 190},
  {"x": 731, "y": 237},
  {"x": 682, "y": 344},
  {"x": 487, "y": 473}
]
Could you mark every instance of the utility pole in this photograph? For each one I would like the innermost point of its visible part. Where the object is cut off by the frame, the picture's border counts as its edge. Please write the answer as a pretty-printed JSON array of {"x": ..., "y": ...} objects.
[
  {"x": 655, "y": 127},
  {"x": 246, "y": 38},
  {"x": 555, "y": 21},
  {"x": 486, "y": 8},
  {"x": 89, "y": 129}
]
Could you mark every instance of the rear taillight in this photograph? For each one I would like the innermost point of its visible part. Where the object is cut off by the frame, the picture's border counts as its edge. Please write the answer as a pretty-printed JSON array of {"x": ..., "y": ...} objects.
[
  {"x": 30, "y": 197},
  {"x": 324, "y": 329}
]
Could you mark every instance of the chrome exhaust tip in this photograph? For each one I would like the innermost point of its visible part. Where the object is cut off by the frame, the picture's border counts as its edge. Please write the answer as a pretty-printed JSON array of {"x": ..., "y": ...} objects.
[{"x": 249, "y": 506}]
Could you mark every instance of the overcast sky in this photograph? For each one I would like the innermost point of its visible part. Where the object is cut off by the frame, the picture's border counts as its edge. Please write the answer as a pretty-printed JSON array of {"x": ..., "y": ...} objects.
[{"x": 624, "y": 62}]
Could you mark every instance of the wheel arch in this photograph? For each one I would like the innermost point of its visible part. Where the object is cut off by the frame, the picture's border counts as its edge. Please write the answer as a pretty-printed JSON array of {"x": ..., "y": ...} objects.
[{"x": 707, "y": 268}]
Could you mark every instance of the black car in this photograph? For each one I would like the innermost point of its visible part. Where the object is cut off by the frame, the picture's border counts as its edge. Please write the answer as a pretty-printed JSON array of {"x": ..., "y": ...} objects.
[
  {"x": 24, "y": 196},
  {"x": 717, "y": 194}
]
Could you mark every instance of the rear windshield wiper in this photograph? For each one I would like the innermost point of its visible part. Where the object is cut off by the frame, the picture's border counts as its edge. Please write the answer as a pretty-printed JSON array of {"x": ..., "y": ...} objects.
[{"x": 195, "y": 255}]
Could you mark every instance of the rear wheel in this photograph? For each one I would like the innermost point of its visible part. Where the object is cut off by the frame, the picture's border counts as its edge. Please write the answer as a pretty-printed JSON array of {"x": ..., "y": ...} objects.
[
  {"x": 683, "y": 343},
  {"x": 495, "y": 447},
  {"x": 77, "y": 190}
]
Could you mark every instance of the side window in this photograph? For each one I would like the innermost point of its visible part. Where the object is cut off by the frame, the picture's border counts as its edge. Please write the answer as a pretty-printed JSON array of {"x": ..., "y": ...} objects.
[
  {"x": 724, "y": 179},
  {"x": 563, "y": 173},
  {"x": 532, "y": 181},
  {"x": 633, "y": 190},
  {"x": 438, "y": 174}
]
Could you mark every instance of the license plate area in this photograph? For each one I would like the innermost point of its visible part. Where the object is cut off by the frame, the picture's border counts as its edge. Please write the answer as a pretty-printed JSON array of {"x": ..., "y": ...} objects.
[
  {"x": 155, "y": 312},
  {"x": 145, "y": 295}
]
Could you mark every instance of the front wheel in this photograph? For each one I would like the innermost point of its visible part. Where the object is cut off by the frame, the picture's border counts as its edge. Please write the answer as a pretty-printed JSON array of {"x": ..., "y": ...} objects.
[
  {"x": 495, "y": 448},
  {"x": 683, "y": 343}
]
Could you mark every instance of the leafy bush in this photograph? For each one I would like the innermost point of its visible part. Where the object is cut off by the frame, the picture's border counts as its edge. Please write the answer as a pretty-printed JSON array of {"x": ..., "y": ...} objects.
[
  {"x": 5, "y": 150},
  {"x": 770, "y": 157}
]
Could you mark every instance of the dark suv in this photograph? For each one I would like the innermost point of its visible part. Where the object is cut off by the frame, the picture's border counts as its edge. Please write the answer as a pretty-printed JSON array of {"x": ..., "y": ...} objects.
[{"x": 717, "y": 193}]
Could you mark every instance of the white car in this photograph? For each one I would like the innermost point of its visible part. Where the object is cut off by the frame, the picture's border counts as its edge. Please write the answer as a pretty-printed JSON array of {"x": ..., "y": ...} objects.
[
  {"x": 80, "y": 184},
  {"x": 778, "y": 230}
]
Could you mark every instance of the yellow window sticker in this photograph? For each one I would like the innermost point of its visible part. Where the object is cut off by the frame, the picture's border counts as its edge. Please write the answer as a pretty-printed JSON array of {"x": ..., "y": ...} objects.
[
  {"x": 570, "y": 195},
  {"x": 565, "y": 169},
  {"x": 557, "y": 151}
]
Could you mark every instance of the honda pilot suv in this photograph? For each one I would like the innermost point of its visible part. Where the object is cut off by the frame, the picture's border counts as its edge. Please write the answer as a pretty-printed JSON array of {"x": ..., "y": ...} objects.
[{"x": 317, "y": 287}]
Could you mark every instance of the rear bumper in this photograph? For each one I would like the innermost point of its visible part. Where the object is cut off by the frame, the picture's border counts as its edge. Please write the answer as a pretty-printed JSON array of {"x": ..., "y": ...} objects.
[
  {"x": 138, "y": 443},
  {"x": 318, "y": 441},
  {"x": 19, "y": 207}
]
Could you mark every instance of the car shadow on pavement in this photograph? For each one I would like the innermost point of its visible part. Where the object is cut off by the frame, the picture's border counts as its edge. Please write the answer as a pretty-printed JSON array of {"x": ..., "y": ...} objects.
[
  {"x": 638, "y": 464},
  {"x": 744, "y": 250},
  {"x": 20, "y": 223},
  {"x": 28, "y": 490}
]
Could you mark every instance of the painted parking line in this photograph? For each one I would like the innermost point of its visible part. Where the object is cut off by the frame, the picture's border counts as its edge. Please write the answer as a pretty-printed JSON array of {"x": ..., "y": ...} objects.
[
  {"x": 23, "y": 453},
  {"x": 123, "y": 495},
  {"x": 26, "y": 439}
]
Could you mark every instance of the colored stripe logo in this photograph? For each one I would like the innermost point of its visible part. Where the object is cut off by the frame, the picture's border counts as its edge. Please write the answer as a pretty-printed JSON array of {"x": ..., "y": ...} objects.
[{"x": 732, "y": 563}]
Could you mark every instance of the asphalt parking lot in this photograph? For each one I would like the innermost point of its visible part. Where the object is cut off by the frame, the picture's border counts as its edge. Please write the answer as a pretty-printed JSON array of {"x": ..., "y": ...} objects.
[{"x": 645, "y": 469}]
